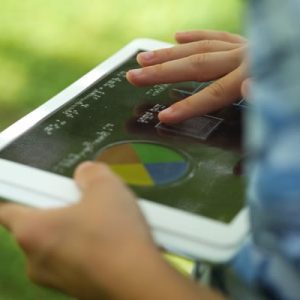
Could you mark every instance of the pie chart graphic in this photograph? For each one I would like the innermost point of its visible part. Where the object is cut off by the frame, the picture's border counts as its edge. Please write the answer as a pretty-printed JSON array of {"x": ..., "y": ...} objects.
[{"x": 145, "y": 164}]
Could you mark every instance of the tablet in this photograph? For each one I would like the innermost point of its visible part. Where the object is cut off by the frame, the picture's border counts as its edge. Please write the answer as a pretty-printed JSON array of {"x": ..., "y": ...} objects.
[{"x": 188, "y": 176}]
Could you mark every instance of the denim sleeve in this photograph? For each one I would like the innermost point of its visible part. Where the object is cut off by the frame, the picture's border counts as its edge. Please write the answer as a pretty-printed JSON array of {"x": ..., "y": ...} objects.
[{"x": 271, "y": 259}]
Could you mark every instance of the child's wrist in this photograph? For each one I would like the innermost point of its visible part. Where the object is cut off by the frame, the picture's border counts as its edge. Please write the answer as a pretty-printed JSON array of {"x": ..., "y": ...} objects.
[{"x": 121, "y": 274}]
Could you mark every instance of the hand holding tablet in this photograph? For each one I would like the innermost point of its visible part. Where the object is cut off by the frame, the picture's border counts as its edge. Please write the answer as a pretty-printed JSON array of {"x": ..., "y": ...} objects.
[{"x": 67, "y": 247}]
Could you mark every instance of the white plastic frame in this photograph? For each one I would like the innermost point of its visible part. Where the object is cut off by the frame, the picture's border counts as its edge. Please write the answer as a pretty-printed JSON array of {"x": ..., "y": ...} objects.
[{"x": 184, "y": 233}]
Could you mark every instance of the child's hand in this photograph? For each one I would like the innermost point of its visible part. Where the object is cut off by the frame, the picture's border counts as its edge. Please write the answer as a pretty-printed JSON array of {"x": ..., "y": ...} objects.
[
  {"x": 90, "y": 248},
  {"x": 201, "y": 56}
]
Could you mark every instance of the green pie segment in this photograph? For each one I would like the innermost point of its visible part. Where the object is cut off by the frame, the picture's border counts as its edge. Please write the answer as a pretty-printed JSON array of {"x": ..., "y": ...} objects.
[
  {"x": 145, "y": 164},
  {"x": 152, "y": 153}
]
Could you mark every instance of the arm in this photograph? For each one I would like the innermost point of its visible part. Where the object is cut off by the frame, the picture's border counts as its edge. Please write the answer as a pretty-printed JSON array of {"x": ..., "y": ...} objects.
[
  {"x": 100, "y": 247},
  {"x": 200, "y": 56}
]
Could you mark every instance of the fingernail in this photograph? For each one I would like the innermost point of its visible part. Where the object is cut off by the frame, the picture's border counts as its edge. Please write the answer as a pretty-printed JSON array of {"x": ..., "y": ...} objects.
[
  {"x": 170, "y": 115},
  {"x": 135, "y": 72},
  {"x": 182, "y": 32},
  {"x": 147, "y": 55},
  {"x": 85, "y": 165},
  {"x": 167, "y": 111}
]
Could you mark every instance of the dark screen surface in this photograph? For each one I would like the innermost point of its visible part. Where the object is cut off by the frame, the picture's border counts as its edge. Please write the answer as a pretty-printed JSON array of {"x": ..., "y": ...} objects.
[{"x": 113, "y": 112}]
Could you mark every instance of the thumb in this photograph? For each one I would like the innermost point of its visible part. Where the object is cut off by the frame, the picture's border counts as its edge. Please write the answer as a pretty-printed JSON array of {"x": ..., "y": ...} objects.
[
  {"x": 11, "y": 214},
  {"x": 91, "y": 174}
]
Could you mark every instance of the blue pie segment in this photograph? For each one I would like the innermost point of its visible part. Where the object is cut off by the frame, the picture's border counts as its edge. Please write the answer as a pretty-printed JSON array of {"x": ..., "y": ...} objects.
[{"x": 163, "y": 173}]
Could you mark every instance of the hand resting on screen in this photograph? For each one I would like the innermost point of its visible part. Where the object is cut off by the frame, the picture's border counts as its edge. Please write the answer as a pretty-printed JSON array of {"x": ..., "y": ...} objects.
[{"x": 200, "y": 56}]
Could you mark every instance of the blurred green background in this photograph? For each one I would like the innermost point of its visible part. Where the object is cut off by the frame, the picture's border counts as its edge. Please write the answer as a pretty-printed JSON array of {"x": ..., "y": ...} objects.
[{"x": 46, "y": 45}]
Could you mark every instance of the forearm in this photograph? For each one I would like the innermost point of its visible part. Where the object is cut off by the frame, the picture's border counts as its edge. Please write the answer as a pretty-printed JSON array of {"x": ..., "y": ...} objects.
[{"x": 144, "y": 274}]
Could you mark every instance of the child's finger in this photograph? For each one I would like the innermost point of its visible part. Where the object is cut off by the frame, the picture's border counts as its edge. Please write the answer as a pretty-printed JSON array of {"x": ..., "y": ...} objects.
[
  {"x": 184, "y": 50},
  {"x": 217, "y": 95},
  {"x": 198, "y": 35},
  {"x": 199, "y": 67}
]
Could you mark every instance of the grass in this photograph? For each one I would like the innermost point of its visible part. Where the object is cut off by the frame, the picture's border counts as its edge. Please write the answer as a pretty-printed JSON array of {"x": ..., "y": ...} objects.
[{"x": 46, "y": 45}]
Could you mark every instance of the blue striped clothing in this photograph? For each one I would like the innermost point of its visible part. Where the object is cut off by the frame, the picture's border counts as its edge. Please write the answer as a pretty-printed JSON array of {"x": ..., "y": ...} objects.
[{"x": 271, "y": 260}]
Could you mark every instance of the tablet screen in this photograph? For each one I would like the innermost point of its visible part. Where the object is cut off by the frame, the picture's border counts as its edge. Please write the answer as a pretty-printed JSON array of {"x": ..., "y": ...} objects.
[{"x": 194, "y": 166}]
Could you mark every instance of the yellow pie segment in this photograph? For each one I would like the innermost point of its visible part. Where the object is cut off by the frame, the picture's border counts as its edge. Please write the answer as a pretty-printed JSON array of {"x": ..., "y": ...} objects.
[{"x": 135, "y": 174}]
